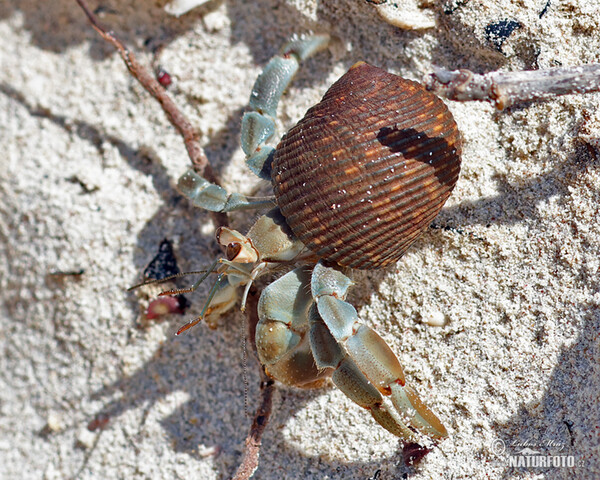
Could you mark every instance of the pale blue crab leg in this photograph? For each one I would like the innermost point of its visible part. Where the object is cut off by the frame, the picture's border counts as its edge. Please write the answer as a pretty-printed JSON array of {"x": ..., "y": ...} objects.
[
  {"x": 366, "y": 367},
  {"x": 258, "y": 126},
  {"x": 281, "y": 334},
  {"x": 215, "y": 198}
]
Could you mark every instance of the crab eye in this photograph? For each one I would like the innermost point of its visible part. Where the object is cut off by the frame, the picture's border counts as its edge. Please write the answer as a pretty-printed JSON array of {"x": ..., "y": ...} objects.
[{"x": 232, "y": 250}]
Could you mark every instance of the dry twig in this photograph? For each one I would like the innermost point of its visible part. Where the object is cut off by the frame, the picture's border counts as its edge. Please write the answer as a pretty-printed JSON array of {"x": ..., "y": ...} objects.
[
  {"x": 176, "y": 117},
  {"x": 249, "y": 462},
  {"x": 507, "y": 88}
]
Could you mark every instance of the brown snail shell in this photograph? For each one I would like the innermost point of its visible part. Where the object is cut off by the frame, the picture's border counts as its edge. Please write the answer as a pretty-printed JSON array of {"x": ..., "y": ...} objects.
[{"x": 367, "y": 169}]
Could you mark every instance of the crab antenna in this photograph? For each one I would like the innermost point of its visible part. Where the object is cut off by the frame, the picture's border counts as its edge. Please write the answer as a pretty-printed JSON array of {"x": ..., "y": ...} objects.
[
  {"x": 195, "y": 285},
  {"x": 211, "y": 295},
  {"x": 153, "y": 281}
]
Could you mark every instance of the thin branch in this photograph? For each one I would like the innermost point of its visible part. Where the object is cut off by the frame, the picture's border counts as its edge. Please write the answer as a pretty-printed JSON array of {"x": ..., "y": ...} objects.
[
  {"x": 249, "y": 462},
  {"x": 151, "y": 85},
  {"x": 200, "y": 162},
  {"x": 507, "y": 88}
]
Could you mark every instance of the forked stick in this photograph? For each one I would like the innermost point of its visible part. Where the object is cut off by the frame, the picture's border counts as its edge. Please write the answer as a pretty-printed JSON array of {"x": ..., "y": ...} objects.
[{"x": 507, "y": 88}]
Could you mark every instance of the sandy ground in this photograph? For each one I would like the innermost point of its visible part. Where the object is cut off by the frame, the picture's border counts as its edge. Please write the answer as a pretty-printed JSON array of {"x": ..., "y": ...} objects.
[{"x": 88, "y": 168}]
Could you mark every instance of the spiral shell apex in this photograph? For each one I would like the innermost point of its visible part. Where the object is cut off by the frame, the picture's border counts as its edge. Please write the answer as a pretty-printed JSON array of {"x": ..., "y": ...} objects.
[{"x": 367, "y": 169}]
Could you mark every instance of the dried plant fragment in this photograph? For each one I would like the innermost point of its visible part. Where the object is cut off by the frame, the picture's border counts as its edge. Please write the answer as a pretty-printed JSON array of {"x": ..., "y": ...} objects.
[
  {"x": 181, "y": 7},
  {"x": 407, "y": 15},
  {"x": 508, "y": 88}
]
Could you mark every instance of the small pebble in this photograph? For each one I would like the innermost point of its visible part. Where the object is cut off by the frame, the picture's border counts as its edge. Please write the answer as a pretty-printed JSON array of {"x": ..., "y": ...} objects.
[
  {"x": 204, "y": 451},
  {"x": 85, "y": 438},
  {"x": 435, "y": 318},
  {"x": 181, "y": 7},
  {"x": 54, "y": 422}
]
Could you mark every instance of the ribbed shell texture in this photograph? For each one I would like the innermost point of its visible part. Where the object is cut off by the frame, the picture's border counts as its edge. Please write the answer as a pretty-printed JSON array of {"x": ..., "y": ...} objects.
[{"x": 363, "y": 174}]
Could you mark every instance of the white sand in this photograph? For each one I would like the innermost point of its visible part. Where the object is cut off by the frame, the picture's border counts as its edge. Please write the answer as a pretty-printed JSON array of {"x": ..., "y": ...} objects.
[{"x": 88, "y": 166}]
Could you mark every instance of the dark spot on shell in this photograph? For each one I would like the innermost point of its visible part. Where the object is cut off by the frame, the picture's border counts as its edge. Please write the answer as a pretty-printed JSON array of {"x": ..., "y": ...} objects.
[{"x": 367, "y": 169}]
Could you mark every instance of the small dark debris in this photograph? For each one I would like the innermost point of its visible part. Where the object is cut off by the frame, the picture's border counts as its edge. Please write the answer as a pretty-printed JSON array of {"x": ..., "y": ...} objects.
[
  {"x": 164, "y": 263},
  {"x": 447, "y": 228},
  {"x": 67, "y": 273},
  {"x": 545, "y": 9},
  {"x": 376, "y": 475},
  {"x": 452, "y": 6},
  {"x": 164, "y": 77},
  {"x": 84, "y": 186},
  {"x": 569, "y": 425},
  {"x": 413, "y": 453},
  {"x": 98, "y": 423},
  {"x": 497, "y": 33}
]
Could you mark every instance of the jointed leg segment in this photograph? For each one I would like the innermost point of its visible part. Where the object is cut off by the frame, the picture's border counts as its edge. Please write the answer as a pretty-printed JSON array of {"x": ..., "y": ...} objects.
[
  {"x": 258, "y": 126},
  {"x": 364, "y": 355},
  {"x": 358, "y": 360}
]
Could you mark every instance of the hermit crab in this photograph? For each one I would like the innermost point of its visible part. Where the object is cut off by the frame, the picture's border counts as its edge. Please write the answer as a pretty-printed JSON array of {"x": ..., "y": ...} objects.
[{"x": 355, "y": 182}]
